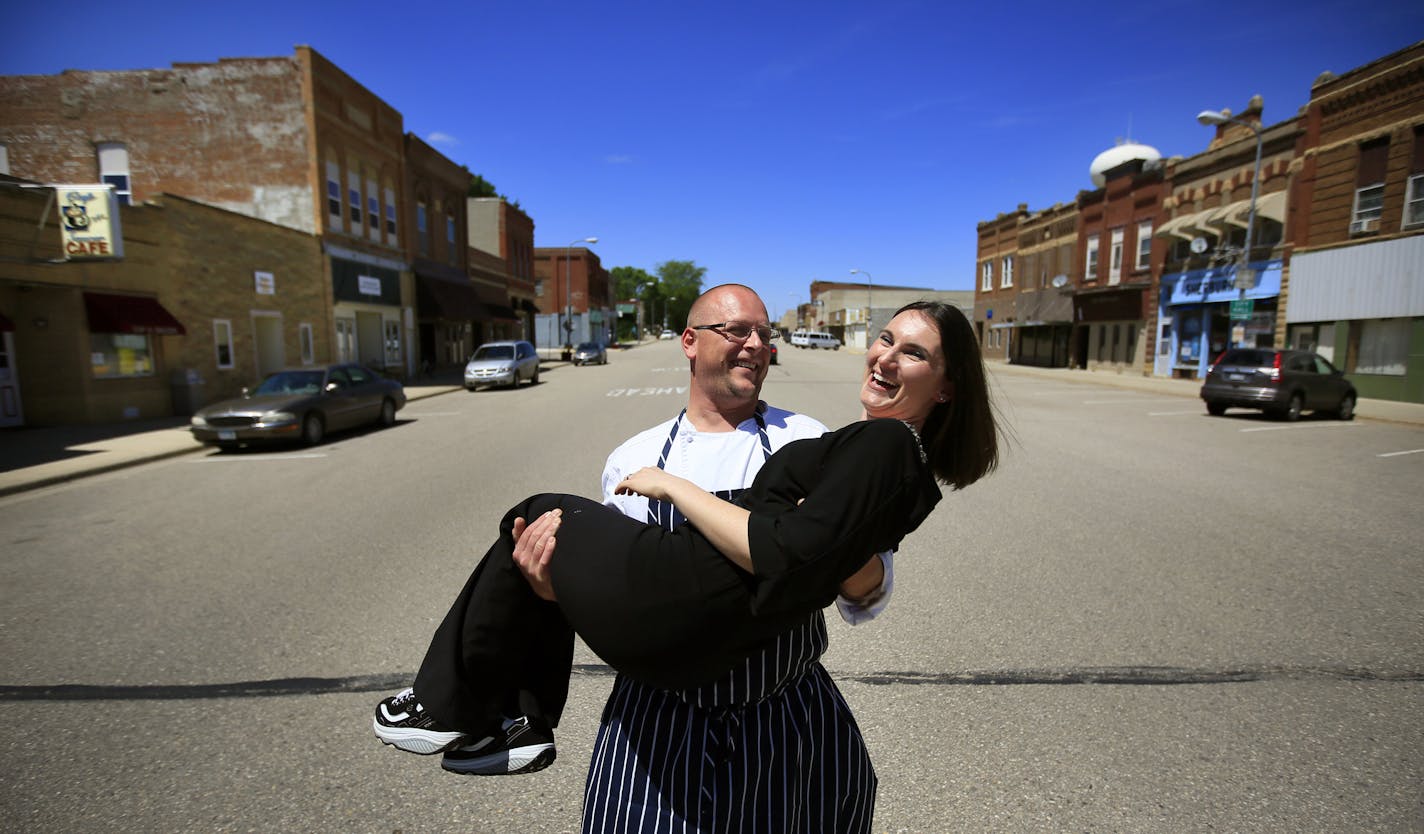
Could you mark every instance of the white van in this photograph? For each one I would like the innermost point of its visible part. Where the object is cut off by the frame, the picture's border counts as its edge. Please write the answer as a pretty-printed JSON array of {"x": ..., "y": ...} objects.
[{"x": 813, "y": 339}]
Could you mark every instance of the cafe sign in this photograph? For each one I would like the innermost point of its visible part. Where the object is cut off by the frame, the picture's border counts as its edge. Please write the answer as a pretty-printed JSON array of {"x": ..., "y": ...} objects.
[{"x": 89, "y": 222}]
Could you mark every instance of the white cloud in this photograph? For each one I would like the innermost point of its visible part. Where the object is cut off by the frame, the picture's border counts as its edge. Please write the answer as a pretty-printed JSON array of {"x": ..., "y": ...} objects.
[{"x": 438, "y": 138}]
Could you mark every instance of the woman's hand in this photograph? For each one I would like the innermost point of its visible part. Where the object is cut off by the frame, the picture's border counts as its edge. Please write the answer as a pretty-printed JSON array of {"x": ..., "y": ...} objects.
[
  {"x": 534, "y": 547},
  {"x": 650, "y": 482}
]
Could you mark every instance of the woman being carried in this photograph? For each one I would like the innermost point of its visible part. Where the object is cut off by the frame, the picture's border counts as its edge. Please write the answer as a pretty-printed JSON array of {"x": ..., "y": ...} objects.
[{"x": 677, "y": 608}]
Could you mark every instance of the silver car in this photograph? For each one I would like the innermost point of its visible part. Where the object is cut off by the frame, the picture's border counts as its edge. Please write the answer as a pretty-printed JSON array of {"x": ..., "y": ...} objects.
[
  {"x": 591, "y": 353},
  {"x": 502, "y": 363}
]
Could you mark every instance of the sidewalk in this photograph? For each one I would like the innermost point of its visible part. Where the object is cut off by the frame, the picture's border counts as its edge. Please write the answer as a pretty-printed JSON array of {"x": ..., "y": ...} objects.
[
  {"x": 35, "y": 457},
  {"x": 31, "y": 458}
]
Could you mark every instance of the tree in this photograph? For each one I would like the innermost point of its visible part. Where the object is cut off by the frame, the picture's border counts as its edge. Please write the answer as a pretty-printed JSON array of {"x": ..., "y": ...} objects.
[
  {"x": 481, "y": 187},
  {"x": 679, "y": 282},
  {"x": 628, "y": 281}
]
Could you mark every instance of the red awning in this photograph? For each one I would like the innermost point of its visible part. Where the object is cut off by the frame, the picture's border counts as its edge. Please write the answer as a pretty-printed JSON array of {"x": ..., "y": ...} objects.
[{"x": 129, "y": 314}]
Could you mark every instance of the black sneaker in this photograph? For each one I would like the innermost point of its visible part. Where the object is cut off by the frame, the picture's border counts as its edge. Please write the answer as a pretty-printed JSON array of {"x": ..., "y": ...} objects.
[
  {"x": 403, "y": 722},
  {"x": 521, "y": 746}
]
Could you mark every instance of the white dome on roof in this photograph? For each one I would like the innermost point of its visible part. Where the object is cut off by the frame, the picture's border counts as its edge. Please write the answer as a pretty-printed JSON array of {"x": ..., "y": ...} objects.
[{"x": 1117, "y": 155}]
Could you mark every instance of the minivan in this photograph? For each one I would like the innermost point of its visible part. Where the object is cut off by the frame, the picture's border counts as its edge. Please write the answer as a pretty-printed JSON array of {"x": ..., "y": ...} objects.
[
  {"x": 502, "y": 363},
  {"x": 814, "y": 339}
]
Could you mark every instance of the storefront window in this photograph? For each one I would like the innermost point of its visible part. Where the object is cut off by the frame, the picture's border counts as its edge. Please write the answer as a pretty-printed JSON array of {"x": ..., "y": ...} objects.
[
  {"x": 118, "y": 355},
  {"x": 1384, "y": 347},
  {"x": 393, "y": 347}
]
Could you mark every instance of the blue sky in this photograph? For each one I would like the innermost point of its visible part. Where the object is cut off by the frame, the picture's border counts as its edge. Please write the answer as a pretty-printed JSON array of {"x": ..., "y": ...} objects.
[{"x": 773, "y": 143}]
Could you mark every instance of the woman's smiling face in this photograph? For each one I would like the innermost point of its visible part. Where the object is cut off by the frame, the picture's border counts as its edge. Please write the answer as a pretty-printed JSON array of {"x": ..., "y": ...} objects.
[{"x": 905, "y": 370}]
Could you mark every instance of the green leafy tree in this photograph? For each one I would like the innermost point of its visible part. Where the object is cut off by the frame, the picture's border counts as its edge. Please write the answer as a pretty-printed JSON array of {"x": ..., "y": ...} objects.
[
  {"x": 679, "y": 283},
  {"x": 481, "y": 187},
  {"x": 628, "y": 281}
]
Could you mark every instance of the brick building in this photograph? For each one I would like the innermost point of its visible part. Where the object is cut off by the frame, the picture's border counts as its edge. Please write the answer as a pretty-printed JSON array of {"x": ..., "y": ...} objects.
[
  {"x": 1357, "y": 276},
  {"x": 995, "y": 292},
  {"x": 1205, "y": 213},
  {"x": 1114, "y": 277},
  {"x": 502, "y": 264},
  {"x": 154, "y": 333},
  {"x": 289, "y": 140},
  {"x": 571, "y": 286},
  {"x": 1043, "y": 305},
  {"x": 446, "y": 302}
]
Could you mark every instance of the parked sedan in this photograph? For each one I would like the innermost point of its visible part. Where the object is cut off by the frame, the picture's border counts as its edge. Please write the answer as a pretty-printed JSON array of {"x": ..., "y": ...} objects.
[
  {"x": 1280, "y": 382},
  {"x": 301, "y": 404},
  {"x": 591, "y": 353},
  {"x": 502, "y": 363}
]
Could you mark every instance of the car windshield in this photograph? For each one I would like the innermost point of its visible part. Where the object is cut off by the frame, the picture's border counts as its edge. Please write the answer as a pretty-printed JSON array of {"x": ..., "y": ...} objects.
[
  {"x": 493, "y": 352},
  {"x": 290, "y": 382},
  {"x": 588, "y": 346}
]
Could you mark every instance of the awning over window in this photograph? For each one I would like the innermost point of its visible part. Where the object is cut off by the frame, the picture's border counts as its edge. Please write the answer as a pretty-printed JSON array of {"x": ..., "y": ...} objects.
[
  {"x": 500, "y": 312},
  {"x": 1181, "y": 226},
  {"x": 129, "y": 314},
  {"x": 449, "y": 300},
  {"x": 1273, "y": 206}
]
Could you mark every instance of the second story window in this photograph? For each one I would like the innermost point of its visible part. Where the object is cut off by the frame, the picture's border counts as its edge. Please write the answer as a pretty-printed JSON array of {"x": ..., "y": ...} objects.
[
  {"x": 391, "y": 217},
  {"x": 353, "y": 180},
  {"x": 422, "y": 229},
  {"x": 1090, "y": 265},
  {"x": 1006, "y": 279},
  {"x": 1144, "y": 245},
  {"x": 1414, "y": 192},
  {"x": 1115, "y": 258},
  {"x": 1369, "y": 187},
  {"x": 450, "y": 239},
  {"x": 987, "y": 282},
  {"x": 114, "y": 170},
  {"x": 333, "y": 196},
  {"x": 373, "y": 211}
]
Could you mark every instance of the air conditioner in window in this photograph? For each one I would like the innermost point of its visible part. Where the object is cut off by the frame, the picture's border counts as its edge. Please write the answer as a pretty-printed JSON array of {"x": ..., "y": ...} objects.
[{"x": 1362, "y": 226}]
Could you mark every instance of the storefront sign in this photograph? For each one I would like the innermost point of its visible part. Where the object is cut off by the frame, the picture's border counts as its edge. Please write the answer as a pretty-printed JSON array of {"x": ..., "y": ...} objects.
[
  {"x": 368, "y": 285},
  {"x": 89, "y": 222},
  {"x": 265, "y": 283}
]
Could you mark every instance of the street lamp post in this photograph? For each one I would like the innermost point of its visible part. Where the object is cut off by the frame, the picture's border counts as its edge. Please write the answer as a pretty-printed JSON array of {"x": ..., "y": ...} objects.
[
  {"x": 868, "y": 304},
  {"x": 569, "y": 293},
  {"x": 1245, "y": 276}
]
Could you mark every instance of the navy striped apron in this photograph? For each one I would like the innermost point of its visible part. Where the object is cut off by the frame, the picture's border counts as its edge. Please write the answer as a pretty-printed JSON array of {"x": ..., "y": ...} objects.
[{"x": 770, "y": 749}]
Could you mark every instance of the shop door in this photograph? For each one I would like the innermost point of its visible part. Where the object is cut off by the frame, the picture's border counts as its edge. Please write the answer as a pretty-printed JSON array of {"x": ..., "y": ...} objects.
[
  {"x": 271, "y": 352},
  {"x": 345, "y": 340},
  {"x": 370, "y": 340},
  {"x": 10, "y": 412}
]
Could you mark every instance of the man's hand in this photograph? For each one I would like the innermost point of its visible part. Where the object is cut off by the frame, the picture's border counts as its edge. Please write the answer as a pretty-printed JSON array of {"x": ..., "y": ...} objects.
[{"x": 534, "y": 547}]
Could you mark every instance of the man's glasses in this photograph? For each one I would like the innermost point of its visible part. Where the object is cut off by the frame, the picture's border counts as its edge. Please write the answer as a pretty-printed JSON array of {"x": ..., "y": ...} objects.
[{"x": 740, "y": 331}]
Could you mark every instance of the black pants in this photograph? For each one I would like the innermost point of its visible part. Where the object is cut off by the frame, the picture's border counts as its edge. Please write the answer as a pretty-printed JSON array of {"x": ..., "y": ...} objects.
[{"x": 661, "y": 606}]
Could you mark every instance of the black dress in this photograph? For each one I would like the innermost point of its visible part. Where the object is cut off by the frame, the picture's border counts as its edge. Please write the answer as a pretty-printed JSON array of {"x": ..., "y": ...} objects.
[{"x": 666, "y": 607}]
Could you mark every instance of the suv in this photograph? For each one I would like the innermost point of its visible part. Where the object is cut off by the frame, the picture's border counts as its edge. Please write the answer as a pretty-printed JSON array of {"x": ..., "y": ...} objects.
[
  {"x": 1280, "y": 382},
  {"x": 502, "y": 363}
]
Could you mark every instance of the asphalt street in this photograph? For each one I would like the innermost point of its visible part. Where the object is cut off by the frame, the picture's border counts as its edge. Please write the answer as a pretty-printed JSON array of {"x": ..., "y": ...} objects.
[{"x": 1147, "y": 620}]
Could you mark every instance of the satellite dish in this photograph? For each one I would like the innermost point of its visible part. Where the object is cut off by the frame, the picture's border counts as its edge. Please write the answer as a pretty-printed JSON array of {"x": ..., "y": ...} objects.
[
  {"x": 1198, "y": 245},
  {"x": 1059, "y": 280}
]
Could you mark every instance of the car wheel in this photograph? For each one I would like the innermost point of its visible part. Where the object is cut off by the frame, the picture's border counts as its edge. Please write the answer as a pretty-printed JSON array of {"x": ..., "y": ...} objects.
[
  {"x": 388, "y": 413},
  {"x": 313, "y": 430},
  {"x": 1293, "y": 408},
  {"x": 534, "y": 380},
  {"x": 1346, "y": 411},
  {"x": 227, "y": 448},
  {"x": 1215, "y": 409}
]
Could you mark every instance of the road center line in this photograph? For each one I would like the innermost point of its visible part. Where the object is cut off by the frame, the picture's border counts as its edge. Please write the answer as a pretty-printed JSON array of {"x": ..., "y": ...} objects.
[{"x": 1397, "y": 454}]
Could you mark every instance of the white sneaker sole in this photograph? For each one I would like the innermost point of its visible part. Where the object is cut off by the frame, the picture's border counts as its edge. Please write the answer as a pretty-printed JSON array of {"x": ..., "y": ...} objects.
[
  {"x": 423, "y": 742},
  {"x": 525, "y": 759}
]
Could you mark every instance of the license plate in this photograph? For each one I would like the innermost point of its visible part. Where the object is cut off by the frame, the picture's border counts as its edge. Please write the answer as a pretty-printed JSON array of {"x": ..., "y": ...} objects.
[
  {"x": 1236, "y": 377},
  {"x": 227, "y": 435}
]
